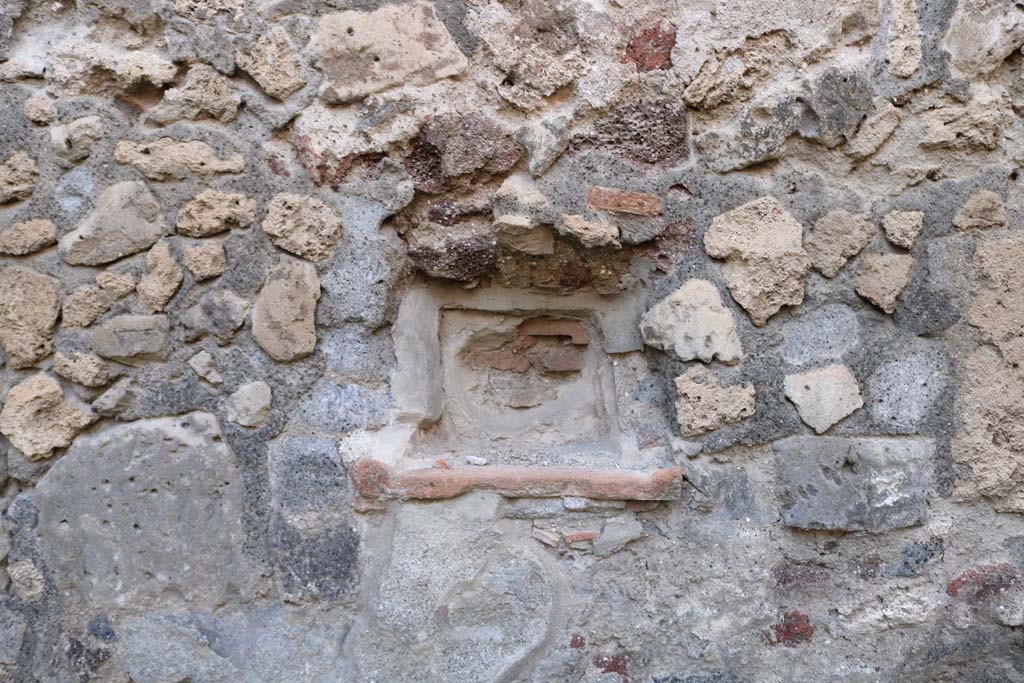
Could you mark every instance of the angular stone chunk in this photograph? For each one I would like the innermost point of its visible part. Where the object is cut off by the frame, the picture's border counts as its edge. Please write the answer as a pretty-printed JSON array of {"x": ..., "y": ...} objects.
[
  {"x": 873, "y": 132},
  {"x": 704, "y": 404},
  {"x": 837, "y": 237},
  {"x": 824, "y": 396},
  {"x": 692, "y": 323},
  {"x": 74, "y": 141},
  {"x": 85, "y": 304},
  {"x": 133, "y": 339},
  {"x": 206, "y": 260},
  {"x": 365, "y": 52},
  {"x": 904, "y": 39},
  {"x": 250, "y": 404},
  {"x": 283, "y": 319},
  {"x": 118, "y": 398},
  {"x": 590, "y": 233},
  {"x": 27, "y": 237},
  {"x": 852, "y": 484},
  {"x": 273, "y": 63},
  {"x": 616, "y": 533},
  {"x": 765, "y": 262},
  {"x": 998, "y": 308},
  {"x": 203, "y": 94},
  {"x": 983, "y": 210},
  {"x": 17, "y": 177},
  {"x": 211, "y": 212},
  {"x": 903, "y": 227},
  {"x": 162, "y": 279},
  {"x": 37, "y": 417},
  {"x": 29, "y": 305},
  {"x": 302, "y": 225},
  {"x": 204, "y": 365},
  {"x": 219, "y": 313},
  {"x": 460, "y": 151},
  {"x": 95, "y": 68},
  {"x": 147, "y": 514},
  {"x": 83, "y": 368},
  {"x": 127, "y": 219},
  {"x": 169, "y": 159},
  {"x": 882, "y": 278}
]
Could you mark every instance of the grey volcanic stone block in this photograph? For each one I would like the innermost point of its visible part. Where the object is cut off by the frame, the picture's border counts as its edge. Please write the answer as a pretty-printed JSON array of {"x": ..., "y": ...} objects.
[
  {"x": 852, "y": 484},
  {"x": 147, "y": 512}
]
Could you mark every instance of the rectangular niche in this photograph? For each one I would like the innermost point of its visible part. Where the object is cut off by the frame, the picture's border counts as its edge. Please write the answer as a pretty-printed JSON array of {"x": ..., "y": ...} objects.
[{"x": 522, "y": 380}]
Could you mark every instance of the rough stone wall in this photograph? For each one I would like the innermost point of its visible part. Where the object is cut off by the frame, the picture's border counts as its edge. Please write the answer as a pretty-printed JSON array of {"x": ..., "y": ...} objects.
[{"x": 529, "y": 341}]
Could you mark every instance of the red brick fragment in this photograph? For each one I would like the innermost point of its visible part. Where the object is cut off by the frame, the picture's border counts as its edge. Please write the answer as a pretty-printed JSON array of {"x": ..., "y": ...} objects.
[
  {"x": 794, "y": 629},
  {"x": 617, "y": 664},
  {"x": 652, "y": 48},
  {"x": 624, "y": 201},
  {"x": 376, "y": 480},
  {"x": 577, "y": 642},
  {"x": 580, "y": 536}
]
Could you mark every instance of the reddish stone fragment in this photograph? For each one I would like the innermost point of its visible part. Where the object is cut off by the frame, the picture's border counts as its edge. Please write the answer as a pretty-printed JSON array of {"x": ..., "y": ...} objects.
[
  {"x": 617, "y": 664},
  {"x": 624, "y": 201},
  {"x": 794, "y": 629},
  {"x": 577, "y": 642},
  {"x": 983, "y": 582},
  {"x": 652, "y": 48},
  {"x": 377, "y": 481}
]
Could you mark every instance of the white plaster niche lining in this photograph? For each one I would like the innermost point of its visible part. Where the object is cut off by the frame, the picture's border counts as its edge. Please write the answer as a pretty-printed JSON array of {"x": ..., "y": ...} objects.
[{"x": 520, "y": 379}]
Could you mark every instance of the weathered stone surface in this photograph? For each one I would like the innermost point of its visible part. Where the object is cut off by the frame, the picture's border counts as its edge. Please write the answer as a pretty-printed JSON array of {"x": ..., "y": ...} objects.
[
  {"x": 693, "y": 324},
  {"x": 616, "y": 533},
  {"x": 205, "y": 260},
  {"x": 39, "y": 109},
  {"x": 904, "y": 392},
  {"x": 169, "y": 159},
  {"x": 460, "y": 252},
  {"x": 837, "y": 237},
  {"x": 250, "y": 405},
  {"x": 27, "y": 580},
  {"x": 219, "y": 313},
  {"x": 127, "y": 219},
  {"x": 212, "y": 212},
  {"x": 874, "y": 131},
  {"x": 903, "y": 227},
  {"x": 83, "y": 368},
  {"x": 882, "y": 277},
  {"x": 998, "y": 308},
  {"x": 29, "y": 305},
  {"x": 119, "y": 398},
  {"x": 976, "y": 125},
  {"x": 765, "y": 262},
  {"x": 27, "y": 237},
  {"x": 12, "y": 634},
  {"x": 123, "y": 508},
  {"x": 132, "y": 339},
  {"x": 460, "y": 150},
  {"x": 824, "y": 334},
  {"x": 38, "y": 417},
  {"x": 97, "y": 68},
  {"x": 983, "y": 210},
  {"x": 544, "y": 143},
  {"x": 302, "y": 225},
  {"x": 824, "y": 396},
  {"x": 652, "y": 131},
  {"x": 852, "y": 484},
  {"x": 274, "y": 64},
  {"x": 283, "y": 318},
  {"x": 203, "y": 94},
  {"x": 904, "y": 38},
  {"x": 982, "y": 35},
  {"x": 590, "y": 233},
  {"x": 364, "y": 52},
  {"x": 162, "y": 279},
  {"x": 205, "y": 366},
  {"x": 82, "y": 306},
  {"x": 18, "y": 176},
  {"x": 703, "y": 404},
  {"x": 74, "y": 141}
]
